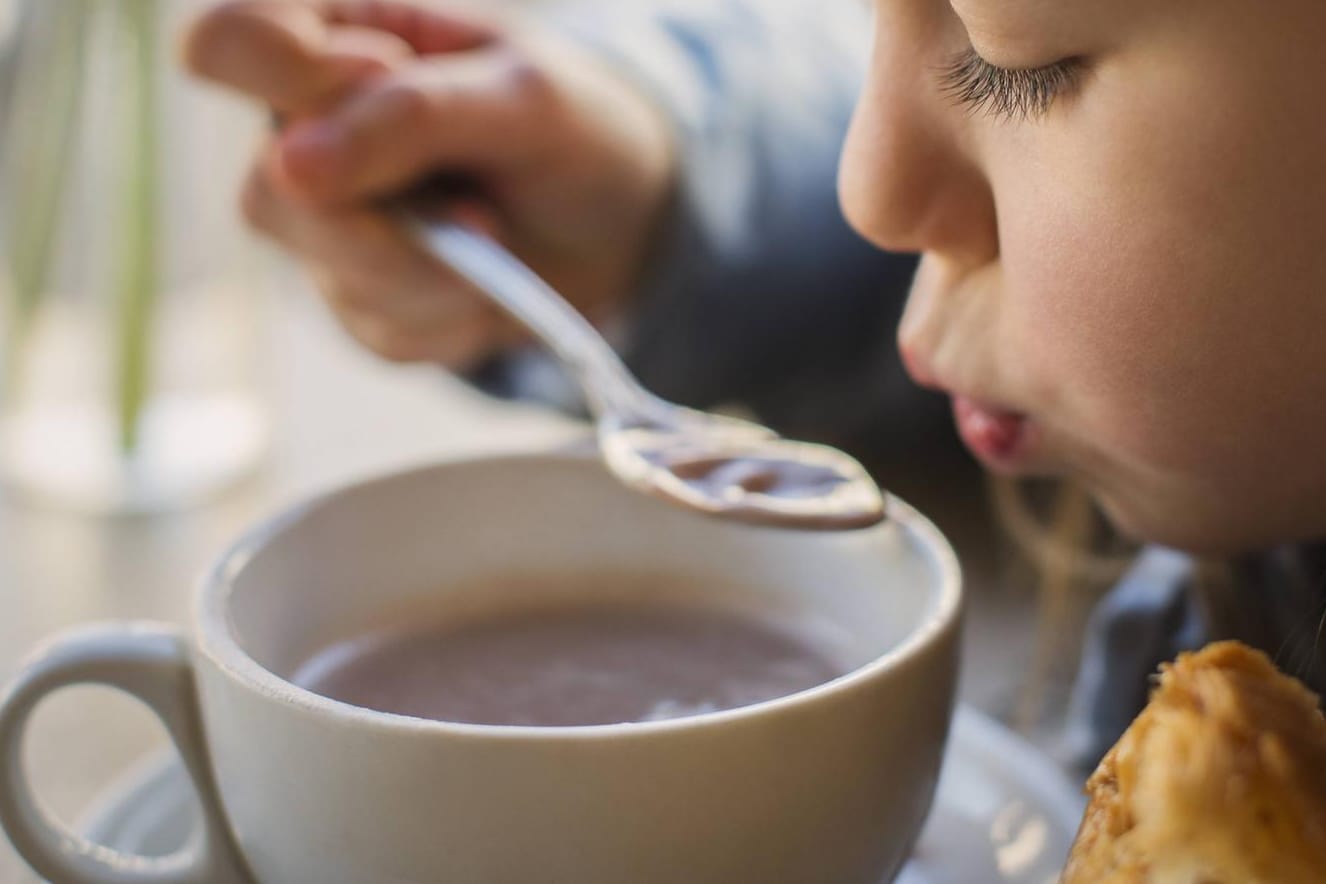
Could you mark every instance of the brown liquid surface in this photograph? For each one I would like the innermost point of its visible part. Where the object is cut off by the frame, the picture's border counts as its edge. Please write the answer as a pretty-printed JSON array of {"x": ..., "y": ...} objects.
[
  {"x": 757, "y": 475},
  {"x": 594, "y": 665}
]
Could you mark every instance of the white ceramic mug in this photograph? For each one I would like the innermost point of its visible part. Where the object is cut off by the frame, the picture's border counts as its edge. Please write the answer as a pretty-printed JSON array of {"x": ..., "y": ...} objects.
[{"x": 829, "y": 785}]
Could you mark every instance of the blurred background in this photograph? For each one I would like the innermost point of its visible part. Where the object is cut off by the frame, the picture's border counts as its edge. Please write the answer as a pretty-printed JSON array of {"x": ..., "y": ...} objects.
[{"x": 165, "y": 380}]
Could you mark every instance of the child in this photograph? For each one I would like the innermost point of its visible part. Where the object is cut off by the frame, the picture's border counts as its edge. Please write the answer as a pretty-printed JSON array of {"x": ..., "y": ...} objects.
[{"x": 1119, "y": 213}]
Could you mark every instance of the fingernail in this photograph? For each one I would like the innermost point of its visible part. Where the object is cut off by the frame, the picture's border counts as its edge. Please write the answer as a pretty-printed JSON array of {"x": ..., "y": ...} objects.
[{"x": 312, "y": 149}]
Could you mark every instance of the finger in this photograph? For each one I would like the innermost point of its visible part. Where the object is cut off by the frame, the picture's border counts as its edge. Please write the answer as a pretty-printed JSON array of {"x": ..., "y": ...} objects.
[
  {"x": 429, "y": 31},
  {"x": 302, "y": 57},
  {"x": 356, "y": 243},
  {"x": 478, "y": 111},
  {"x": 285, "y": 55},
  {"x": 458, "y": 345},
  {"x": 375, "y": 267},
  {"x": 448, "y": 300},
  {"x": 450, "y": 304},
  {"x": 434, "y": 295}
]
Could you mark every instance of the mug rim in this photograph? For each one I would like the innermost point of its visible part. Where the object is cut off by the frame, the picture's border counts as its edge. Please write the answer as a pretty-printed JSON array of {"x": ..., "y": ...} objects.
[{"x": 216, "y": 641}]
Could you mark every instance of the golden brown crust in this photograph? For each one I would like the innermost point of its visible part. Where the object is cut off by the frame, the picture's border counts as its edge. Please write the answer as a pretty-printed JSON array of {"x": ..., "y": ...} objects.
[{"x": 1220, "y": 780}]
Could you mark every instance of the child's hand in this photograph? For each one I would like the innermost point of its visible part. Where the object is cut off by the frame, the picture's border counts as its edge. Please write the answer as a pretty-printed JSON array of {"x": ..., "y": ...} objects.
[{"x": 572, "y": 166}]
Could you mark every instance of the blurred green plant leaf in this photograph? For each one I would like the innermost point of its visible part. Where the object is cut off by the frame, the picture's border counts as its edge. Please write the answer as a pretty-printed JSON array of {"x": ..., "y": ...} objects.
[
  {"x": 42, "y": 132},
  {"x": 137, "y": 278}
]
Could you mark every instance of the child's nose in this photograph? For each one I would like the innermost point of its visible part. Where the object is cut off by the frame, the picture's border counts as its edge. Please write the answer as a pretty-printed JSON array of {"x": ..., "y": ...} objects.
[{"x": 905, "y": 182}]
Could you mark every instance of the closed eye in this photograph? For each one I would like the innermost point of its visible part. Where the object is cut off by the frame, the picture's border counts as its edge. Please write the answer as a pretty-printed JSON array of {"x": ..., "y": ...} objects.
[{"x": 1015, "y": 94}]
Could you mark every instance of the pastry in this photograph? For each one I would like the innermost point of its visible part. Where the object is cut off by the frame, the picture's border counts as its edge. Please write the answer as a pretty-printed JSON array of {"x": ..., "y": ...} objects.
[{"x": 1220, "y": 780}]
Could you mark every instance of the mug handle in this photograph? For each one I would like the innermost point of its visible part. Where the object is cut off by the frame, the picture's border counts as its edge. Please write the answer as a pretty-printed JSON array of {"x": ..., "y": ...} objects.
[{"x": 150, "y": 662}]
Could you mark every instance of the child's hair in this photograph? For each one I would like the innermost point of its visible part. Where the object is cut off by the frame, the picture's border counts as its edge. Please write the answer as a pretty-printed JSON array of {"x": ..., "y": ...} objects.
[
  {"x": 1275, "y": 601},
  {"x": 1074, "y": 559}
]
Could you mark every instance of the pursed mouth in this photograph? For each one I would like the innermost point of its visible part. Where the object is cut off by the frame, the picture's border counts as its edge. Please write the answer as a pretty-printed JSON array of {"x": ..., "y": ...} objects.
[{"x": 1000, "y": 437}]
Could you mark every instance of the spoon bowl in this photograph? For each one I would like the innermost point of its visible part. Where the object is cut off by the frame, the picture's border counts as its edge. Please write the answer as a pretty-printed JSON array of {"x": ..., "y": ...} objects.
[{"x": 758, "y": 480}]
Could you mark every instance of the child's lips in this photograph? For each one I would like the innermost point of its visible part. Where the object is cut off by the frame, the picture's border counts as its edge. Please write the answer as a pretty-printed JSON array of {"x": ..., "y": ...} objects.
[
  {"x": 1000, "y": 437},
  {"x": 997, "y": 436}
]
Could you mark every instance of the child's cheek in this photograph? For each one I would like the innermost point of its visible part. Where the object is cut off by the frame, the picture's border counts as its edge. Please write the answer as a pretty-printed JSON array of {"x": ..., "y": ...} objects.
[{"x": 1100, "y": 309}]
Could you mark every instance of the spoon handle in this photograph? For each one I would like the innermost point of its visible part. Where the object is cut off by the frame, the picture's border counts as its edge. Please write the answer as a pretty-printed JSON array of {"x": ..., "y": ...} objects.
[{"x": 608, "y": 384}]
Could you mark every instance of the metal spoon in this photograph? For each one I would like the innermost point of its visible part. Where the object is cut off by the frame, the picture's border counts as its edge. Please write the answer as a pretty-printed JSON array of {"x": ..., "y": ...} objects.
[{"x": 711, "y": 463}]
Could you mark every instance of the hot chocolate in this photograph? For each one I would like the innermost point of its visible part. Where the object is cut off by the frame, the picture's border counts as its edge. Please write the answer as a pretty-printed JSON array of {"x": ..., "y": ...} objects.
[{"x": 597, "y": 664}]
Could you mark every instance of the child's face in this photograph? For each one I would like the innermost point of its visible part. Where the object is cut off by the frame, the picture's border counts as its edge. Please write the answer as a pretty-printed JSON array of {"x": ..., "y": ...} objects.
[{"x": 1124, "y": 279}]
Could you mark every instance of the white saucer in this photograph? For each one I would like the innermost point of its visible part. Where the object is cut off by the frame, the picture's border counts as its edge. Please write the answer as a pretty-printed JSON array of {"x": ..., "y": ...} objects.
[{"x": 1004, "y": 814}]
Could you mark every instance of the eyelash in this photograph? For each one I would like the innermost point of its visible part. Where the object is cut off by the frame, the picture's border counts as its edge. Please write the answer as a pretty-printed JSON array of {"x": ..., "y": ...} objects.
[{"x": 974, "y": 83}]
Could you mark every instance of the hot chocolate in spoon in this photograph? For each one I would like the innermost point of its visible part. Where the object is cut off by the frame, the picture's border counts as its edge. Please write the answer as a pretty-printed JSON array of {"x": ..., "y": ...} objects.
[{"x": 714, "y": 464}]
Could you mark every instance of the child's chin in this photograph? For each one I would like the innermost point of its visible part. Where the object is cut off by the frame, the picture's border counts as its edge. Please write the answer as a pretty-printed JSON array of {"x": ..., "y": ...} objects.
[{"x": 1191, "y": 529}]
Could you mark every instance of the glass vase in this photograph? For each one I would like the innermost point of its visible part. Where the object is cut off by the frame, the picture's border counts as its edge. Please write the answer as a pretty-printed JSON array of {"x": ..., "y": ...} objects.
[{"x": 130, "y": 302}]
